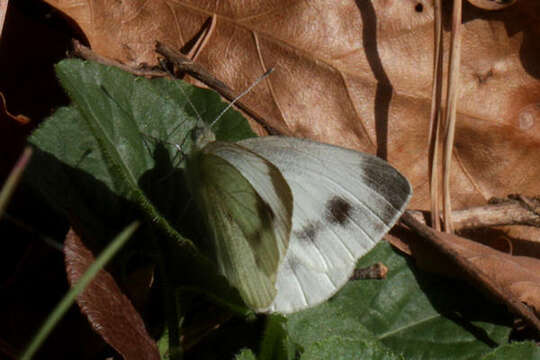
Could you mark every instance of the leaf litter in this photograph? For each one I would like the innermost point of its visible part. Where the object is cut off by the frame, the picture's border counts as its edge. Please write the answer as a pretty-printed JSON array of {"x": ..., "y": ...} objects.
[{"x": 360, "y": 77}]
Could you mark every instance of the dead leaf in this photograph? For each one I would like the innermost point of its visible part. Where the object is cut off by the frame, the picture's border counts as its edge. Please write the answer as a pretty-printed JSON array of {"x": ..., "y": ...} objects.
[
  {"x": 108, "y": 310},
  {"x": 3, "y": 11},
  {"x": 483, "y": 224},
  {"x": 4, "y": 113},
  {"x": 357, "y": 74},
  {"x": 518, "y": 276},
  {"x": 492, "y": 4}
]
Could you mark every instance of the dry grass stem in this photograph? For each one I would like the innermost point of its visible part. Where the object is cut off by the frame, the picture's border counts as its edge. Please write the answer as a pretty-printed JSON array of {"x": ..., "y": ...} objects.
[
  {"x": 435, "y": 118},
  {"x": 451, "y": 108},
  {"x": 516, "y": 210}
]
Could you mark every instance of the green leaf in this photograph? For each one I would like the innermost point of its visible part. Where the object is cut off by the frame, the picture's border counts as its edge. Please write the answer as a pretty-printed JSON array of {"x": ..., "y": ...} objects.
[
  {"x": 245, "y": 354},
  {"x": 410, "y": 313},
  {"x": 276, "y": 344},
  {"x": 522, "y": 351},
  {"x": 98, "y": 154},
  {"x": 111, "y": 157},
  {"x": 342, "y": 348},
  {"x": 163, "y": 345}
]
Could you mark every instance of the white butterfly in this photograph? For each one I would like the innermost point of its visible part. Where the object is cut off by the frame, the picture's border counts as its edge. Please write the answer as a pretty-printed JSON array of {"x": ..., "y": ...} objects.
[{"x": 290, "y": 217}]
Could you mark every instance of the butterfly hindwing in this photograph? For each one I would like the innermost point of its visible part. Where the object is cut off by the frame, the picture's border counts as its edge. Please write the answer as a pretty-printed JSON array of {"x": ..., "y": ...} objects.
[
  {"x": 344, "y": 203},
  {"x": 248, "y": 209}
]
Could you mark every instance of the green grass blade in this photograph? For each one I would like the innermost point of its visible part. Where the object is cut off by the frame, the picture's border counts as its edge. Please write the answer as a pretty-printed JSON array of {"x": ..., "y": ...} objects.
[
  {"x": 69, "y": 298},
  {"x": 13, "y": 179}
]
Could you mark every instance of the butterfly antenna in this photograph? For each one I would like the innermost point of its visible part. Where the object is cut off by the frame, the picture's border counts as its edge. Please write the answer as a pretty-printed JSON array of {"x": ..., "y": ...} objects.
[
  {"x": 199, "y": 118},
  {"x": 262, "y": 77}
]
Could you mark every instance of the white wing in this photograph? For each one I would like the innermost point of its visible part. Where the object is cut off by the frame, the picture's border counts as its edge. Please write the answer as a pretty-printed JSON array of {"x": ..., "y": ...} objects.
[{"x": 344, "y": 203}]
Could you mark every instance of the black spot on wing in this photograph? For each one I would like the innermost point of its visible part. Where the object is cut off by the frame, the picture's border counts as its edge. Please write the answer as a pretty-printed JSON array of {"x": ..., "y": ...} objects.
[
  {"x": 266, "y": 215},
  {"x": 379, "y": 229},
  {"x": 386, "y": 181},
  {"x": 262, "y": 265},
  {"x": 264, "y": 210},
  {"x": 338, "y": 210},
  {"x": 309, "y": 231},
  {"x": 255, "y": 238},
  {"x": 292, "y": 264}
]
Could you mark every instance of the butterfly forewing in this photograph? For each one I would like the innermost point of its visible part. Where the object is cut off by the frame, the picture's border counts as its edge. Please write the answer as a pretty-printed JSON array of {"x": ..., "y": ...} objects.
[
  {"x": 248, "y": 209},
  {"x": 344, "y": 203}
]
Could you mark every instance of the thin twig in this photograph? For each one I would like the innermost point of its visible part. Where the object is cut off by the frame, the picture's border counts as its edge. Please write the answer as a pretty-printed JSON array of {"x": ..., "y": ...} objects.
[
  {"x": 504, "y": 212},
  {"x": 474, "y": 275},
  {"x": 531, "y": 204},
  {"x": 84, "y": 52},
  {"x": 185, "y": 64},
  {"x": 435, "y": 117},
  {"x": 376, "y": 271},
  {"x": 451, "y": 107}
]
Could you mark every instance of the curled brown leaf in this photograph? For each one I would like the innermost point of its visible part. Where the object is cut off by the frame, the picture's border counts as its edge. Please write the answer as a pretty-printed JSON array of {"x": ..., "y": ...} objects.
[
  {"x": 492, "y": 4},
  {"x": 108, "y": 310},
  {"x": 513, "y": 280}
]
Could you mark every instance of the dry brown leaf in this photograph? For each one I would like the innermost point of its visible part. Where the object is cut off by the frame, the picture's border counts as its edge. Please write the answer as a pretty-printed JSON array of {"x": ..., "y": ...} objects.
[
  {"x": 6, "y": 116},
  {"x": 509, "y": 265},
  {"x": 108, "y": 310},
  {"x": 357, "y": 74},
  {"x": 492, "y": 4},
  {"x": 483, "y": 224},
  {"x": 518, "y": 275},
  {"x": 514, "y": 280}
]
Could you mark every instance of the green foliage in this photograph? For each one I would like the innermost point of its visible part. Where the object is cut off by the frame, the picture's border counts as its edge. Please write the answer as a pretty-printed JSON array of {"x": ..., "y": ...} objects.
[
  {"x": 410, "y": 313},
  {"x": 521, "y": 351},
  {"x": 111, "y": 157},
  {"x": 245, "y": 354},
  {"x": 276, "y": 343},
  {"x": 116, "y": 145},
  {"x": 340, "y": 348}
]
